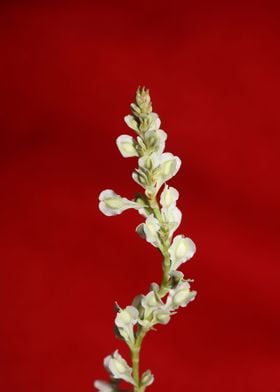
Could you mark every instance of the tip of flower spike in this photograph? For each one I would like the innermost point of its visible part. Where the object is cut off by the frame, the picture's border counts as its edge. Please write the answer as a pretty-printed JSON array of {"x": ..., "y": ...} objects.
[
  {"x": 143, "y": 104},
  {"x": 142, "y": 90}
]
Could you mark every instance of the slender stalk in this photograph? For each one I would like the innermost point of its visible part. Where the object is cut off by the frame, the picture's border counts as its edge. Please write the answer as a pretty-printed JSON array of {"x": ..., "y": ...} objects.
[
  {"x": 135, "y": 354},
  {"x": 164, "y": 250},
  {"x": 135, "y": 350}
]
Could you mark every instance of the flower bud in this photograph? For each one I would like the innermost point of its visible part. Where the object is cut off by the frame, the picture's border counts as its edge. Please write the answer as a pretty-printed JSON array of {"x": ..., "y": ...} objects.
[{"x": 147, "y": 378}]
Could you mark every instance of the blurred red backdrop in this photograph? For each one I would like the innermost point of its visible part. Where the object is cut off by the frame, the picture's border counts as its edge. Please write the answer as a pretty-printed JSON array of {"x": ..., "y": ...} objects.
[{"x": 68, "y": 74}]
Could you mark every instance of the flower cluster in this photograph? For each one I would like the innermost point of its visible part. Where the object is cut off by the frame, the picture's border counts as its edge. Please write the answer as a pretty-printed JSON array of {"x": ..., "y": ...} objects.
[{"x": 158, "y": 206}]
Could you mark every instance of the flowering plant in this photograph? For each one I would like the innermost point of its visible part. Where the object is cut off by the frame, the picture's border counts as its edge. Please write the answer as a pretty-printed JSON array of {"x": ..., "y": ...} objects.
[{"x": 157, "y": 204}]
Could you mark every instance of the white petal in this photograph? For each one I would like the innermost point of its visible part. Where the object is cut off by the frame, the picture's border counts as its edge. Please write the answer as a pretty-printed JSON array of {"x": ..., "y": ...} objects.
[
  {"x": 169, "y": 166},
  {"x": 162, "y": 316},
  {"x": 119, "y": 368},
  {"x": 173, "y": 216},
  {"x": 181, "y": 250},
  {"x": 103, "y": 386},
  {"x": 148, "y": 162},
  {"x": 155, "y": 123},
  {"x": 180, "y": 296},
  {"x": 139, "y": 178},
  {"x": 126, "y": 146},
  {"x": 151, "y": 228},
  {"x": 106, "y": 362},
  {"x": 168, "y": 197},
  {"x": 150, "y": 300},
  {"x": 183, "y": 297},
  {"x": 162, "y": 139},
  {"x": 113, "y": 204},
  {"x": 127, "y": 316},
  {"x": 154, "y": 141},
  {"x": 131, "y": 122}
]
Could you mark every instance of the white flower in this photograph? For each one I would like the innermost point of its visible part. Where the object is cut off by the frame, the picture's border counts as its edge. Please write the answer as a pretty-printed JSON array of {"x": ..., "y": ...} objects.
[
  {"x": 168, "y": 197},
  {"x": 141, "y": 177},
  {"x": 112, "y": 204},
  {"x": 181, "y": 295},
  {"x": 181, "y": 250},
  {"x": 150, "y": 302},
  {"x": 148, "y": 162},
  {"x": 149, "y": 230},
  {"x": 172, "y": 216},
  {"x": 161, "y": 316},
  {"x": 155, "y": 121},
  {"x": 155, "y": 141},
  {"x": 131, "y": 122},
  {"x": 126, "y": 146},
  {"x": 147, "y": 378},
  {"x": 169, "y": 166},
  {"x": 125, "y": 320},
  {"x": 103, "y": 386},
  {"x": 118, "y": 367},
  {"x": 155, "y": 311},
  {"x": 155, "y": 169}
]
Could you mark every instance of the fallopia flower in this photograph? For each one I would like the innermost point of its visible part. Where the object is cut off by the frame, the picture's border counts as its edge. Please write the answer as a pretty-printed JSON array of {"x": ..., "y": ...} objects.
[
  {"x": 131, "y": 122},
  {"x": 181, "y": 295},
  {"x": 118, "y": 367},
  {"x": 147, "y": 378},
  {"x": 155, "y": 311},
  {"x": 181, "y": 250},
  {"x": 126, "y": 145},
  {"x": 162, "y": 218},
  {"x": 103, "y": 386},
  {"x": 149, "y": 230},
  {"x": 153, "y": 141},
  {"x": 112, "y": 204},
  {"x": 155, "y": 169},
  {"x": 168, "y": 168},
  {"x": 125, "y": 321},
  {"x": 168, "y": 197},
  {"x": 172, "y": 218}
]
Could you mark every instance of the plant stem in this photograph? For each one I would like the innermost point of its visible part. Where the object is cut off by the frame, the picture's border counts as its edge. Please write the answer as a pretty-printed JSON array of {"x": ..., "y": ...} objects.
[
  {"x": 135, "y": 366},
  {"x": 135, "y": 354},
  {"x": 135, "y": 350},
  {"x": 164, "y": 250}
]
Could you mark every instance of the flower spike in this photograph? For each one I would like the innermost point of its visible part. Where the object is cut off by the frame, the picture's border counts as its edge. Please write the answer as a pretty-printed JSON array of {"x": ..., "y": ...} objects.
[{"x": 157, "y": 203}]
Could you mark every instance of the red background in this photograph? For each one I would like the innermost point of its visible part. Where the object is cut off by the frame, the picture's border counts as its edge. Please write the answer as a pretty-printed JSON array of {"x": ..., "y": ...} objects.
[{"x": 68, "y": 74}]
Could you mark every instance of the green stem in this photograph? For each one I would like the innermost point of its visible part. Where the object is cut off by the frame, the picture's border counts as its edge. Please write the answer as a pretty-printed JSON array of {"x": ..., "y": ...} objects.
[
  {"x": 135, "y": 354},
  {"x": 135, "y": 350},
  {"x": 164, "y": 250},
  {"x": 135, "y": 367}
]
